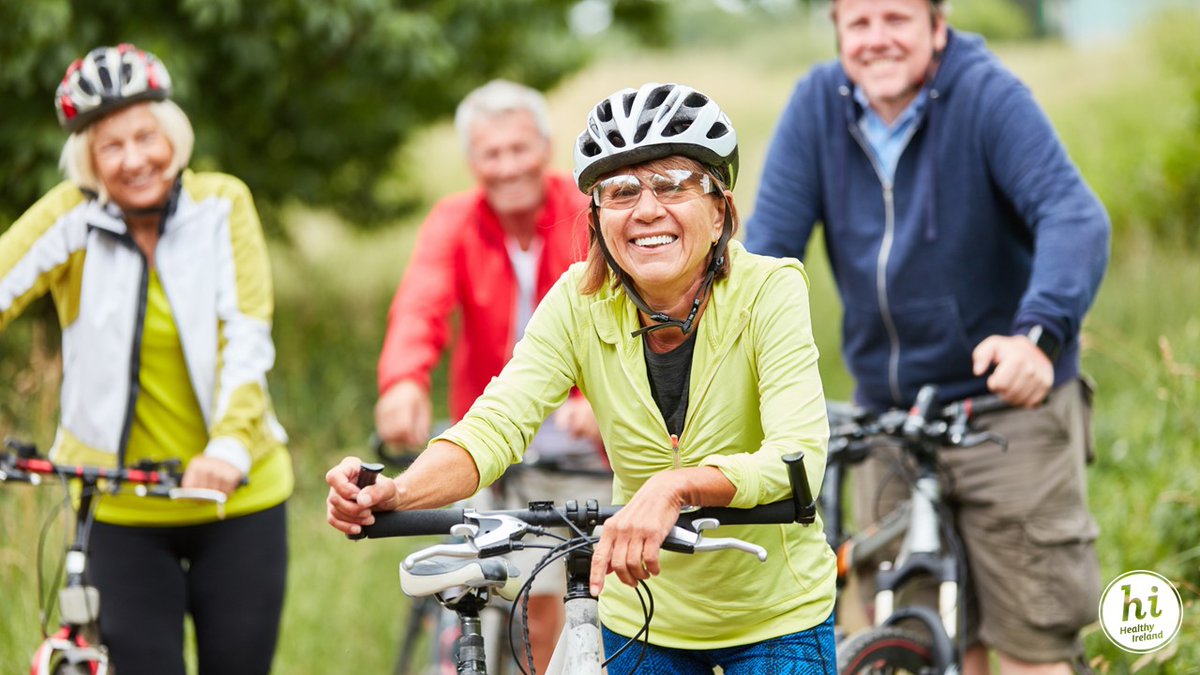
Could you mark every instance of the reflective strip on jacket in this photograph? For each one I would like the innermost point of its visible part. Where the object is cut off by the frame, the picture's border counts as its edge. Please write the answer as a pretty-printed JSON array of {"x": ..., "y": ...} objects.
[{"x": 78, "y": 250}]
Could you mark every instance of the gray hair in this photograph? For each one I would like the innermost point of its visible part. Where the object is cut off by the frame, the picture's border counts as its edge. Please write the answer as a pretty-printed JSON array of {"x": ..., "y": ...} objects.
[
  {"x": 76, "y": 158},
  {"x": 498, "y": 97}
]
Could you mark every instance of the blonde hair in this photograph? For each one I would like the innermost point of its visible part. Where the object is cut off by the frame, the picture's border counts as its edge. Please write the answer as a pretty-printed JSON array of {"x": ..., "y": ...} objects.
[
  {"x": 76, "y": 159},
  {"x": 597, "y": 272}
]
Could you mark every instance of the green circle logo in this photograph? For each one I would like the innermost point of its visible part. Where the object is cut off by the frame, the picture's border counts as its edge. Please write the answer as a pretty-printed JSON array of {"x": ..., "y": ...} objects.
[{"x": 1140, "y": 611}]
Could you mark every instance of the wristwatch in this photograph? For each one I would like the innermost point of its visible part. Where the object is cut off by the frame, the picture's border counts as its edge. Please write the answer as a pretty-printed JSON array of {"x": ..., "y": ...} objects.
[{"x": 1046, "y": 342}]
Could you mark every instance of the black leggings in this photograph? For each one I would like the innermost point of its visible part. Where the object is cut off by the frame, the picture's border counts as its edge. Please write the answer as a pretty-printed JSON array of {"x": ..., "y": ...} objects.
[{"x": 229, "y": 575}]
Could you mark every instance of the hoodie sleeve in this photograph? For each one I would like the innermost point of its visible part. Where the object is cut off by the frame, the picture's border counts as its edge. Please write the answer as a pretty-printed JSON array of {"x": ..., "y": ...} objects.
[
  {"x": 789, "y": 193},
  {"x": 1068, "y": 224}
]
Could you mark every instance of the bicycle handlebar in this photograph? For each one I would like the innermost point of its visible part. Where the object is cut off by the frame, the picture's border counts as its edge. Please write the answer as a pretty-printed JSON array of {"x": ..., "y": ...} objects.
[
  {"x": 924, "y": 421},
  {"x": 21, "y": 463},
  {"x": 801, "y": 508}
]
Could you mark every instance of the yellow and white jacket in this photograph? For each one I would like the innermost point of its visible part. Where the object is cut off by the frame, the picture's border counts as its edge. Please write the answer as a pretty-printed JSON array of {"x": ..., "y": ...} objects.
[{"x": 213, "y": 265}]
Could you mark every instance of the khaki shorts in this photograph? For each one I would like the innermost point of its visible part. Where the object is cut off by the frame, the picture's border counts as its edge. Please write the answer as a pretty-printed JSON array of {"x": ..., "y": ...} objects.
[
  {"x": 522, "y": 485},
  {"x": 1023, "y": 518}
]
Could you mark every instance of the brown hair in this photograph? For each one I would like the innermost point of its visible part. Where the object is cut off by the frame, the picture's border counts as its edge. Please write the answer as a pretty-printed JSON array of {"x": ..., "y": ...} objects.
[{"x": 598, "y": 271}]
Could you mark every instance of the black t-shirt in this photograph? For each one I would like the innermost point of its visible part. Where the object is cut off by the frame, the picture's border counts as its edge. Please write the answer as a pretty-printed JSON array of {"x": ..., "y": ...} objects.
[{"x": 670, "y": 375}]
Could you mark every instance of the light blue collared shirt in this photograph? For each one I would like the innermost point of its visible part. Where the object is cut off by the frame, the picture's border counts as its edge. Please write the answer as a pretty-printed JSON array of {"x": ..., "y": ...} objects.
[{"x": 888, "y": 142}]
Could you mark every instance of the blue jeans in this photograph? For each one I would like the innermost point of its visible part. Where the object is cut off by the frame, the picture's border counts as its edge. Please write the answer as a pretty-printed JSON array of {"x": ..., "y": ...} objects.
[{"x": 809, "y": 652}]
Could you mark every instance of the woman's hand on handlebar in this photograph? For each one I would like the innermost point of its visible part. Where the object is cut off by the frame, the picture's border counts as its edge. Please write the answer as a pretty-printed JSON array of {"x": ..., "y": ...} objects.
[
  {"x": 349, "y": 507},
  {"x": 212, "y": 474},
  {"x": 631, "y": 541}
]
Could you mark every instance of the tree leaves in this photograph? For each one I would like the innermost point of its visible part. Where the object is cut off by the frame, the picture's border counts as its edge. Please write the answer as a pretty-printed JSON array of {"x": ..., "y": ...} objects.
[{"x": 305, "y": 100}]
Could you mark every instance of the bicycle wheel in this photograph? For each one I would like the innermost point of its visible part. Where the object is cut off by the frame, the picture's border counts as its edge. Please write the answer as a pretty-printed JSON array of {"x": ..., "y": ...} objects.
[{"x": 885, "y": 651}]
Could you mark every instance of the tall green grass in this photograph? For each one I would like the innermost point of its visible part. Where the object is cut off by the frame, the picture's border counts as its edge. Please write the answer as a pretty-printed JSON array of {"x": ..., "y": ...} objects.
[{"x": 344, "y": 610}]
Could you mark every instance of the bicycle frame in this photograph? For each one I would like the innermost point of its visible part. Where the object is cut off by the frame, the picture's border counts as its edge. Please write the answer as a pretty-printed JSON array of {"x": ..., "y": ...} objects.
[
  {"x": 919, "y": 520},
  {"x": 580, "y": 648}
]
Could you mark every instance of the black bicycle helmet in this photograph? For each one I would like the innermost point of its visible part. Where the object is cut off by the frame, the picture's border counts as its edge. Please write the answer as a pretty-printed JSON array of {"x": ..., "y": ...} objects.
[
  {"x": 633, "y": 126},
  {"x": 106, "y": 79}
]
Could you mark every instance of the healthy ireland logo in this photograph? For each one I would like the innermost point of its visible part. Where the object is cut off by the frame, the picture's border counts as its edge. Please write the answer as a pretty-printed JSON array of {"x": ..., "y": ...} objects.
[{"x": 1141, "y": 611}]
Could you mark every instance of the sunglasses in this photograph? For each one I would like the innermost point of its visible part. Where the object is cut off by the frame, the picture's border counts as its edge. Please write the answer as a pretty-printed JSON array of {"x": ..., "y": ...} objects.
[{"x": 673, "y": 186}]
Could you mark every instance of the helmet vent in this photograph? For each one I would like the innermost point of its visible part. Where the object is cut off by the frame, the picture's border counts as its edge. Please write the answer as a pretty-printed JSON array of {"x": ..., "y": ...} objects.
[
  {"x": 615, "y": 138},
  {"x": 589, "y": 148},
  {"x": 604, "y": 111},
  {"x": 627, "y": 102},
  {"x": 696, "y": 100},
  {"x": 642, "y": 130},
  {"x": 677, "y": 127},
  {"x": 657, "y": 97},
  {"x": 717, "y": 130}
]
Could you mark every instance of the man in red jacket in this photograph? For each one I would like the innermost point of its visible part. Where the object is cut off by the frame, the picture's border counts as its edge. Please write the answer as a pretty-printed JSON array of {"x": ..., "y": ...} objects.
[{"x": 492, "y": 253}]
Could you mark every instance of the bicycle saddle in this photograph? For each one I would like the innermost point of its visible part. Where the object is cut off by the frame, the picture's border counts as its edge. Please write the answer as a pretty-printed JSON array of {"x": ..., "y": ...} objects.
[{"x": 442, "y": 573}]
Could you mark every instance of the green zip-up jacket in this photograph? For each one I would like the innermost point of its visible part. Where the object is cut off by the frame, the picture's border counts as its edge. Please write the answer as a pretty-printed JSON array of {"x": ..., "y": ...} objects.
[{"x": 755, "y": 395}]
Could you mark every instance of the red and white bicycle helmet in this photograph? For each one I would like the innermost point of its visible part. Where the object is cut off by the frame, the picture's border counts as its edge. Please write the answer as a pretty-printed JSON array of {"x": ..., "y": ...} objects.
[
  {"x": 106, "y": 79},
  {"x": 654, "y": 121}
]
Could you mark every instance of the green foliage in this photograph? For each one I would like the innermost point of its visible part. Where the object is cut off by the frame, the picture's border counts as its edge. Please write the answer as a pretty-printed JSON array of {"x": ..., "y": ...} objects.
[
  {"x": 1136, "y": 143},
  {"x": 1177, "y": 208},
  {"x": 1145, "y": 357},
  {"x": 997, "y": 20},
  {"x": 302, "y": 99}
]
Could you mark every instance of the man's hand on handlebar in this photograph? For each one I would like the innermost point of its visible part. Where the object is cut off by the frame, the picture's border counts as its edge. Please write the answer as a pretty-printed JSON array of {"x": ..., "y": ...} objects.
[
  {"x": 576, "y": 418},
  {"x": 1023, "y": 375},
  {"x": 349, "y": 507},
  {"x": 404, "y": 415}
]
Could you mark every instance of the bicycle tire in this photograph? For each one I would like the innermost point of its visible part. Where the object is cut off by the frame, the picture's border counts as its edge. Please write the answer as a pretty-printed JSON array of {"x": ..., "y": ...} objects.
[{"x": 886, "y": 650}]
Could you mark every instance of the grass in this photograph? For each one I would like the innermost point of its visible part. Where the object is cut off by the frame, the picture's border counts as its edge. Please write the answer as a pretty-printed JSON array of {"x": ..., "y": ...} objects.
[{"x": 344, "y": 610}]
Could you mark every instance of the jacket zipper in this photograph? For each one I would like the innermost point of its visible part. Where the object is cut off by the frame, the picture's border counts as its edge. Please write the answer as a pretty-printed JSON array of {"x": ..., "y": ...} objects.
[
  {"x": 885, "y": 252},
  {"x": 135, "y": 358}
]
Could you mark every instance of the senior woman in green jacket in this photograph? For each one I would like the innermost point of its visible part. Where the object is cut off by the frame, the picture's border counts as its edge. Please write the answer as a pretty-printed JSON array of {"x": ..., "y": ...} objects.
[{"x": 699, "y": 362}]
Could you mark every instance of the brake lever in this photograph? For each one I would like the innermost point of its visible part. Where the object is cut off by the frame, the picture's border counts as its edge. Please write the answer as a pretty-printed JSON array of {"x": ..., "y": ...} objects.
[
  {"x": 979, "y": 438},
  {"x": 486, "y": 536},
  {"x": 681, "y": 540}
]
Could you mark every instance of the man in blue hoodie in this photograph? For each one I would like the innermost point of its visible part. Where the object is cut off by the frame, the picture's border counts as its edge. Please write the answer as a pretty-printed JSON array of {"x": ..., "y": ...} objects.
[{"x": 966, "y": 249}]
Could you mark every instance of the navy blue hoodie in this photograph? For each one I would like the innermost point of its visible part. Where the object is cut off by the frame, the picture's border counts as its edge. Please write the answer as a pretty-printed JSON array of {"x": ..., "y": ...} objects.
[{"x": 988, "y": 228}]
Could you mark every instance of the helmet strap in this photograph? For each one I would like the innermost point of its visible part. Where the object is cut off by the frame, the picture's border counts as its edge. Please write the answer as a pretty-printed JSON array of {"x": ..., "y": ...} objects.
[{"x": 662, "y": 319}]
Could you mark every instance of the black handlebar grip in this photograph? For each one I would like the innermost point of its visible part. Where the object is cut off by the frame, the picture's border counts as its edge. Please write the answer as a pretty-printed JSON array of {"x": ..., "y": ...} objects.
[
  {"x": 413, "y": 523},
  {"x": 802, "y": 497},
  {"x": 367, "y": 474}
]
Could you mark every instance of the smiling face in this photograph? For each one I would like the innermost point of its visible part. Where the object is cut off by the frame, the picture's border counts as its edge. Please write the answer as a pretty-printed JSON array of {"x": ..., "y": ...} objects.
[
  {"x": 663, "y": 247},
  {"x": 508, "y": 157},
  {"x": 887, "y": 48},
  {"x": 132, "y": 158}
]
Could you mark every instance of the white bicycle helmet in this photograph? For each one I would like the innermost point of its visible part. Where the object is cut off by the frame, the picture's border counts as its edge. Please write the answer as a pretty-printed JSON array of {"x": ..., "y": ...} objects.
[
  {"x": 106, "y": 79},
  {"x": 633, "y": 126}
]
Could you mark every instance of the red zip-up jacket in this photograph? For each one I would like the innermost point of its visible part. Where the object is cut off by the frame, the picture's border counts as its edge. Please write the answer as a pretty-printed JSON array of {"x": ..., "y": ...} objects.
[{"x": 460, "y": 262}]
